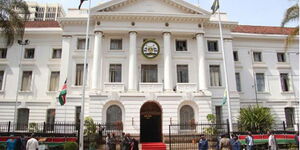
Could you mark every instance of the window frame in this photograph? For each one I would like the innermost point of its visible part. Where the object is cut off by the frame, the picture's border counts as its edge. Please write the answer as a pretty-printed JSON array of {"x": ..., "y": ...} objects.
[
  {"x": 49, "y": 85},
  {"x": 186, "y": 45},
  {"x": 52, "y": 53},
  {"x": 3, "y": 80},
  {"x": 75, "y": 73},
  {"x": 157, "y": 76},
  {"x": 265, "y": 84},
  {"x": 187, "y": 124},
  {"x": 188, "y": 74},
  {"x": 216, "y": 46},
  {"x": 49, "y": 122},
  {"x": 235, "y": 53},
  {"x": 288, "y": 82},
  {"x": 5, "y": 52},
  {"x": 31, "y": 83},
  {"x": 77, "y": 44},
  {"x": 240, "y": 83},
  {"x": 109, "y": 72},
  {"x": 110, "y": 44},
  {"x": 26, "y": 50},
  {"x": 260, "y": 56},
  {"x": 220, "y": 76},
  {"x": 284, "y": 57},
  {"x": 23, "y": 126}
]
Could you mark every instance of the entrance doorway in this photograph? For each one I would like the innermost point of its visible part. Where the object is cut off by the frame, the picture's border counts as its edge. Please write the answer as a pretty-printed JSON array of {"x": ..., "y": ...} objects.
[{"x": 151, "y": 122}]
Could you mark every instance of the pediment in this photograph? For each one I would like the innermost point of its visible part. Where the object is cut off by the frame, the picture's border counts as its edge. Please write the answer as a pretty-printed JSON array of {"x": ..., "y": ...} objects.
[{"x": 149, "y": 6}]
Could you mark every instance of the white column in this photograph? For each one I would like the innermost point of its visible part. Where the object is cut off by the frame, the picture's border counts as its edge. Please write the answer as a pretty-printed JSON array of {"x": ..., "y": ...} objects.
[
  {"x": 97, "y": 62},
  {"x": 66, "y": 64},
  {"x": 167, "y": 62},
  {"x": 202, "y": 71},
  {"x": 230, "y": 64},
  {"x": 132, "y": 72}
]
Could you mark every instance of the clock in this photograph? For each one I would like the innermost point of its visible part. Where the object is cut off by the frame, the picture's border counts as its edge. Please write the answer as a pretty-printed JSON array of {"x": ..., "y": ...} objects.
[{"x": 150, "y": 49}]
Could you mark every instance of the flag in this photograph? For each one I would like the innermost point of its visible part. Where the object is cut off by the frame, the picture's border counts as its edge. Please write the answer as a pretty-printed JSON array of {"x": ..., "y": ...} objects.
[
  {"x": 224, "y": 98},
  {"x": 63, "y": 94},
  {"x": 81, "y": 1},
  {"x": 215, "y": 6}
]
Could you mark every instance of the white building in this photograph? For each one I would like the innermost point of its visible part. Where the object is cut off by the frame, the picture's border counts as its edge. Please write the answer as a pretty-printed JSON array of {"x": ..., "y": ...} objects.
[
  {"x": 184, "y": 81},
  {"x": 45, "y": 12}
]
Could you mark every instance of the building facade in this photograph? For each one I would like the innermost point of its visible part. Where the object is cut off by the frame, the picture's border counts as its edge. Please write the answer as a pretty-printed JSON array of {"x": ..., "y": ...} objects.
[
  {"x": 45, "y": 12},
  {"x": 151, "y": 63}
]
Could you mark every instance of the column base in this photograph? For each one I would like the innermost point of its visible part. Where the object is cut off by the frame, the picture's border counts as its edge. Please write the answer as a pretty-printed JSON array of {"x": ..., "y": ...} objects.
[
  {"x": 132, "y": 91},
  {"x": 169, "y": 91}
]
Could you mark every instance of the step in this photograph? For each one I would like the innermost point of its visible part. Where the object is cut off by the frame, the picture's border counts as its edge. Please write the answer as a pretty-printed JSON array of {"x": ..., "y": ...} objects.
[{"x": 154, "y": 146}]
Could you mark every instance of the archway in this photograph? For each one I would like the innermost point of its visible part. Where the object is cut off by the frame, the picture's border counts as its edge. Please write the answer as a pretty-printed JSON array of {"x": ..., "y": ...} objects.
[{"x": 151, "y": 122}]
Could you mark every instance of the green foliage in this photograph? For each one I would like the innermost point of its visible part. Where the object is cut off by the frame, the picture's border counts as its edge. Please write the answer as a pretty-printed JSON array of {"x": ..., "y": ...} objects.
[
  {"x": 255, "y": 119},
  {"x": 12, "y": 24},
  {"x": 33, "y": 127},
  {"x": 212, "y": 130},
  {"x": 71, "y": 146},
  {"x": 2, "y": 147},
  {"x": 90, "y": 126}
]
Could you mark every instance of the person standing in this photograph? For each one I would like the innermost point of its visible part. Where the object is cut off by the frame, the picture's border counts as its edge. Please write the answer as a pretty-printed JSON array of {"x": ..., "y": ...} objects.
[
  {"x": 249, "y": 141},
  {"x": 135, "y": 144},
  {"x": 203, "y": 143},
  {"x": 107, "y": 141},
  {"x": 18, "y": 144},
  {"x": 235, "y": 143},
  {"x": 224, "y": 143},
  {"x": 272, "y": 143},
  {"x": 32, "y": 143},
  {"x": 297, "y": 139},
  {"x": 122, "y": 139},
  {"x": 10, "y": 143},
  {"x": 113, "y": 142}
]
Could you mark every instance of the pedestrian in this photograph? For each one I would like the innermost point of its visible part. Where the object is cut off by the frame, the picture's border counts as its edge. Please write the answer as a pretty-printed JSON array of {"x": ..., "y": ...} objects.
[
  {"x": 10, "y": 143},
  {"x": 122, "y": 139},
  {"x": 249, "y": 141},
  {"x": 297, "y": 139},
  {"x": 24, "y": 142},
  {"x": 224, "y": 143},
  {"x": 113, "y": 142},
  {"x": 18, "y": 143},
  {"x": 272, "y": 143},
  {"x": 203, "y": 143},
  {"x": 235, "y": 143},
  {"x": 127, "y": 142},
  {"x": 32, "y": 143},
  {"x": 135, "y": 144},
  {"x": 107, "y": 141}
]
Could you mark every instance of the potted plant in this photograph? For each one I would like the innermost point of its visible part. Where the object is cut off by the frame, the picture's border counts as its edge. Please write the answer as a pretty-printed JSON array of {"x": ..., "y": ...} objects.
[{"x": 90, "y": 132}]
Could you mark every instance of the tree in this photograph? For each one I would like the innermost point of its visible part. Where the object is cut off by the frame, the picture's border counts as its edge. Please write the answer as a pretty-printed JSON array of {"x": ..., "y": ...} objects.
[
  {"x": 13, "y": 15},
  {"x": 255, "y": 119},
  {"x": 291, "y": 15}
]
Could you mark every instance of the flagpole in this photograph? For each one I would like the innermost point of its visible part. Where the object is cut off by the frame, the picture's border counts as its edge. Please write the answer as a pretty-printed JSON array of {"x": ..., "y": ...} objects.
[
  {"x": 225, "y": 71},
  {"x": 81, "y": 140}
]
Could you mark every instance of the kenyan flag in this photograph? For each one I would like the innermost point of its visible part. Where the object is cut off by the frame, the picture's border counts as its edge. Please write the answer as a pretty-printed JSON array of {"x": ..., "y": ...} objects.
[{"x": 63, "y": 93}]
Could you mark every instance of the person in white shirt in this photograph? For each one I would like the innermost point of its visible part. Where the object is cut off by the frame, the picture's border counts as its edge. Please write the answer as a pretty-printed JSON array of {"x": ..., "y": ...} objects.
[
  {"x": 272, "y": 143},
  {"x": 32, "y": 144},
  {"x": 249, "y": 141}
]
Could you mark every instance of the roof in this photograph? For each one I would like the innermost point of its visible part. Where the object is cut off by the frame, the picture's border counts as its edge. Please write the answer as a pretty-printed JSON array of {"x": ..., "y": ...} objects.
[
  {"x": 42, "y": 24},
  {"x": 262, "y": 29},
  {"x": 239, "y": 28}
]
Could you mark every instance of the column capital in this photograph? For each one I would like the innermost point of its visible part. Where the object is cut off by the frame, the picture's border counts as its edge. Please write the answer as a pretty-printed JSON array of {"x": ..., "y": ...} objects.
[
  {"x": 166, "y": 33},
  {"x": 132, "y": 32},
  {"x": 66, "y": 36},
  {"x": 98, "y": 32},
  {"x": 199, "y": 34}
]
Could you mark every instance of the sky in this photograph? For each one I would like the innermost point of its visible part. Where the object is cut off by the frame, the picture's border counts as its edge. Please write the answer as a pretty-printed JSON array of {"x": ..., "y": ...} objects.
[{"x": 246, "y": 12}]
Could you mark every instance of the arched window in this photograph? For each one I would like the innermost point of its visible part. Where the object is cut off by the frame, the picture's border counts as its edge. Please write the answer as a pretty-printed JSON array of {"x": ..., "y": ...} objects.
[
  {"x": 187, "y": 117},
  {"x": 114, "y": 117}
]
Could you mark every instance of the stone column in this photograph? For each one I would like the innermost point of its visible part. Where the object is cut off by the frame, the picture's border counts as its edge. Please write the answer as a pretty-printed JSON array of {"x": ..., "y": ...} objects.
[
  {"x": 202, "y": 71},
  {"x": 97, "y": 62},
  {"x": 167, "y": 62},
  {"x": 132, "y": 72},
  {"x": 66, "y": 64},
  {"x": 230, "y": 64}
]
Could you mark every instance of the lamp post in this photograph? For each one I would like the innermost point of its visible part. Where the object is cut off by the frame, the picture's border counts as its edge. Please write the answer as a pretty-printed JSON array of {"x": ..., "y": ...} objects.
[{"x": 22, "y": 43}]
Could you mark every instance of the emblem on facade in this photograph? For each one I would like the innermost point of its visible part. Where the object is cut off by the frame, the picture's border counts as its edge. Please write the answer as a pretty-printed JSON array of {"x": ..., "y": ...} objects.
[{"x": 150, "y": 49}]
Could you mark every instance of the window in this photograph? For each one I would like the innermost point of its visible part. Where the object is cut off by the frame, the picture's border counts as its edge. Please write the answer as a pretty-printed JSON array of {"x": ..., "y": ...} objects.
[
  {"x": 218, "y": 110},
  {"x": 289, "y": 116},
  {"x": 257, "y": 56},
  {"x": 115, "y": 73},
  {"x": 181, "y": 45},
  {"x": 56, "y": 53},
  {"x": 116, "y": 44},
  {"x": 54, "y": 81},
  {"x": 182, "y": 74},
  {"x": 212, "y": 46},
  {"x": 113, "y": 117},
  {"x": 215, "y": 75},
  {"x": 1, "y": 79},
  {"x": 81, "y": 43},
  {"x": 50, "y": 120},
  {"x": 284, "y": 79},
  {"x": 29, "y": 53},
  {"x": 281, "y": 57},
  {"x": 238, "y": 82},
  {"x": 149, "y": 73},
  {"x": 26, "y": 81},
  {"x": 3, "y": 52},
  {"x": 235, "y": 56},
  {"x": 22, "y": 118},
  {"x": 77, "y": 116},
  {"x": 186, "y": 117},
  {"x": 260, "y": 82},
  {"x": 79, "y": 74}
]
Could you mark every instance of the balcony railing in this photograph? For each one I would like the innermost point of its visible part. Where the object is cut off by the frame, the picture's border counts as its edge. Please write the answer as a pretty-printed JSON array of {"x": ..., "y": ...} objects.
[
  {"x": 151, "y": 87},
  {"x": 114, "y": 87},
  {"x": 186, "y": 87}
]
